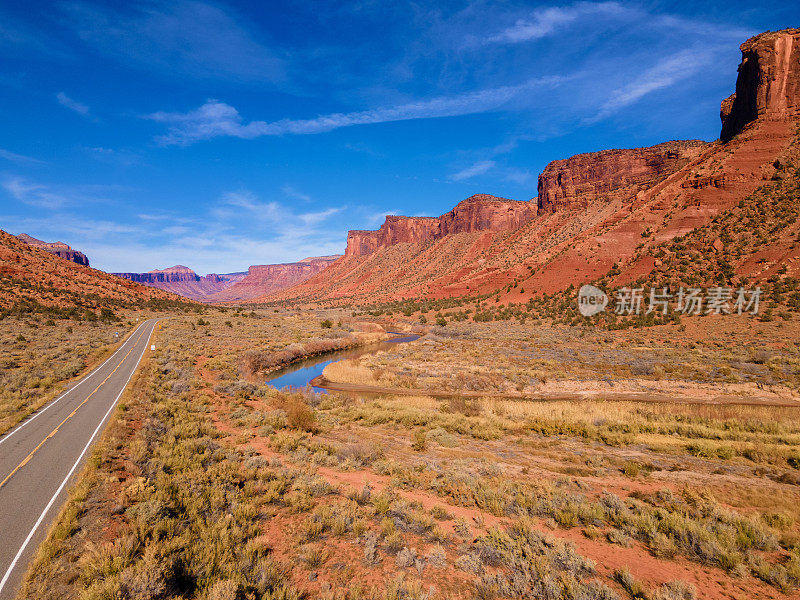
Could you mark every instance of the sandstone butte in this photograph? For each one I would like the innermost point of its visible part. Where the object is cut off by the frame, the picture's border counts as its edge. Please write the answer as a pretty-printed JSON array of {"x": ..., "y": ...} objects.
[
  {"x": 60, "y": 249},
  {"x": 593, "y": 210}
]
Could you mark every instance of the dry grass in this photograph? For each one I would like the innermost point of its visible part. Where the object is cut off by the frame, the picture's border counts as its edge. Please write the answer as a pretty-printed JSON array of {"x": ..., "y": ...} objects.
[{"x": 232, "y": 489}]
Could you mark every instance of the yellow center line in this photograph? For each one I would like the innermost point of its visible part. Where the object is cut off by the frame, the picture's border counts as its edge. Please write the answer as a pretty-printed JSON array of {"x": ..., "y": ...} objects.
[{"x": 69, "y": 416}]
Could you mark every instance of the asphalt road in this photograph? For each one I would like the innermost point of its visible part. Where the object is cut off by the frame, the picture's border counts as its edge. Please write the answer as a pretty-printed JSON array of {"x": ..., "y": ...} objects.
[{"x": 40, "y": 457}]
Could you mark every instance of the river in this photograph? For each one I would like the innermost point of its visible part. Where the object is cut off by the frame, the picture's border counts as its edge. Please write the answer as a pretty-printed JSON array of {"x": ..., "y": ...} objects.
[{"x": 299, "y": 374}]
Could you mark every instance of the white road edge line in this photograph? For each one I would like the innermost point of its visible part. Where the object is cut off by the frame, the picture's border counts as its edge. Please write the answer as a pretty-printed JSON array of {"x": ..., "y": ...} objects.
[
  {"x": 72, "y": 470},
  {"x": 85, "y": 378}
]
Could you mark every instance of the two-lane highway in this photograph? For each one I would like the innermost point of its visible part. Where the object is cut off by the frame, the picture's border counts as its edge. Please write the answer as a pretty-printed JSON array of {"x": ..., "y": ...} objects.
[{"x": 40, "y": 456}]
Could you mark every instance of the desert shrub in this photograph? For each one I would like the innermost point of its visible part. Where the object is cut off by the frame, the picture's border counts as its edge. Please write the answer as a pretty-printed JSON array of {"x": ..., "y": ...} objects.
[
  {"x": 630, "y": 584},
  {"x": 420, "y": 440},
  {"x": 300, "y": 415},
  {"x": 675, "y": 590}
]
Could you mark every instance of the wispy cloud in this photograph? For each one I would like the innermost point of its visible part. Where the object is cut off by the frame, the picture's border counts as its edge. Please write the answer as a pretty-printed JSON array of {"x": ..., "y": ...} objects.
[
  {"x": 518, "y": 176},
  {"x": 478, "y": 168},
  {"x": 19, "y": 158},
  {"x": 71, "y": 104},
  {"x": 43, "y": 195},
  {"x": 545, "y": 21},
  {"x": 215, "y": 118},
  {"x": 33, "y": 194},
  {"x": 293, "y": 193},
  {"x": 194, "y": 38},
  {"x": 664, "y": 73}
]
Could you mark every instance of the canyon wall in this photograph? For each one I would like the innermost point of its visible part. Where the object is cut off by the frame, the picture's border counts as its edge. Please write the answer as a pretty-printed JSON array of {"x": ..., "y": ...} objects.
[
  {"x": 184, "y": 281},
  {"x": 768, "y": 84},
  {"x": 60, "y": 249},
  {"x": 481, "y": 212},
  {"x": 175, "y": 274},
  {"x": 586, "y": 179},
  {"x": 265, "y": 279}
]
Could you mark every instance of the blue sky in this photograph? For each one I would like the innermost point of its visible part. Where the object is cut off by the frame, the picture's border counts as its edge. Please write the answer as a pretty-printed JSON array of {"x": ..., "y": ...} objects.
[{"x": 220, "y": 135}]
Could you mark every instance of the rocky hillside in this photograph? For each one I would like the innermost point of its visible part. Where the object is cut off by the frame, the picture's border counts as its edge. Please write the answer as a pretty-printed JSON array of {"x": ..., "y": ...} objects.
[
  {"x": 184, "y": 281},
  {"x": 597, "y": 213},
  {"x": 33, "y": 279},
  {"x": 60, "y": 249}
]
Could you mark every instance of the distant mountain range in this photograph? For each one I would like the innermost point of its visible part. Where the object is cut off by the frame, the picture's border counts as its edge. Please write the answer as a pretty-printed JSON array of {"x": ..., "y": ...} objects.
[{"x": 258, "y": 281}]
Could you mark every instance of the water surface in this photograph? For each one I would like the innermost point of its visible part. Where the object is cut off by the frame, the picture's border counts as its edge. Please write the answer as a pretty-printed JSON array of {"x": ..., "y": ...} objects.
[{"x": 299, "y": 374}]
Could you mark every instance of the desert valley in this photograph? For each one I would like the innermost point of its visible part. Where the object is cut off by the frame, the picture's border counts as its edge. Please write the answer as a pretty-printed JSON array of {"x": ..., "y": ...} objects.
[{"x": 591, "y": 394}]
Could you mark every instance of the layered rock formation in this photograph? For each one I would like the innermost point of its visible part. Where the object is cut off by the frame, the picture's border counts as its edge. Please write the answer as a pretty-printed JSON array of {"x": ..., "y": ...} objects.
[
  {"x": 230, "y": 287},
  {"x": 265, "y": 279},
  {"x": 481, "y": 212},
  {"x": 175, "y": 274},
  {"x": 184, "y": 281},
  {"x": 60, "y": 249},
  {"x": 596, "y": 210},
  {"x": 586, "y": 179},
  {"x": 768, "y": 85}
]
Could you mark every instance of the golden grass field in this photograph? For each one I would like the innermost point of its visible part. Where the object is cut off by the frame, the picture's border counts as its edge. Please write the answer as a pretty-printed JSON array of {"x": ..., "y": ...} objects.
[{"x": 210, "y": 484}]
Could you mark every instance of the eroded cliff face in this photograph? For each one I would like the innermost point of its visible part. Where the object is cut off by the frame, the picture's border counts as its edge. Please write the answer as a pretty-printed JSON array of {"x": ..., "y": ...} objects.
[
  {"x": 768, "y": 84},
  {"x": 481, "y": 212},
  {"x": 60, "y": 249},
  {"x": 586, "y": 179},
  {"x": 265, "y": 279},
  {"x": 175, "y": 274},
  {"x": 484, "y": 212},
  {"x": 184, "y": 281}
]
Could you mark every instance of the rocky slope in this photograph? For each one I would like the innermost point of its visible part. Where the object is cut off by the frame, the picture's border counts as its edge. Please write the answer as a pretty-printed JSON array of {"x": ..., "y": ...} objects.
[
  {"x": 615, "y": 208},
  {"x": 33, "y": 279},
  {"x": 60, "y": 249}
]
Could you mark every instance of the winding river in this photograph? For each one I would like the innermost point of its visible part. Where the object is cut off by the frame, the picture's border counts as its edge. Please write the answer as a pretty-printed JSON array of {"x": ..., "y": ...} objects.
[{"x": 299, "y": 374}]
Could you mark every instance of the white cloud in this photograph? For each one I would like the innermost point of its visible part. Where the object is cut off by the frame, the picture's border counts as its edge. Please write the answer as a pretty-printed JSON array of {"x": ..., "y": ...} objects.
[
  {"x": 518, "y": 176},
  {"x": 546, "y": 20},
  {"x": 33, "y": 194},
  {"x": 215, "y": 118},
  {"x": 293, "y": 193},
  {"x": 71, "y": 104},
  {"x": 190, "y": 37},
  {"x": 479, "y": 168},
  {"x": 665, "y": 73},
  {"x": 43, "y": 195},
  {"x": 18, "y": 158}
]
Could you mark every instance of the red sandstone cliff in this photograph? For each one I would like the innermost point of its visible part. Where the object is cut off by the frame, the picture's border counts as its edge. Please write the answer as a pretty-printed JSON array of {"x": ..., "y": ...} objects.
[
  {"x": 768, "y": 85},
  {"x": 585, "y": 179},
  {"x": 184, "y": 281},
  {"x": 266, "y": 279},
  {"x": 60, "y": 249},
  {"x": 596, "y": 210},
  {"x": 481, "y": 212},
  {"x": 175, "y": 274}
]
